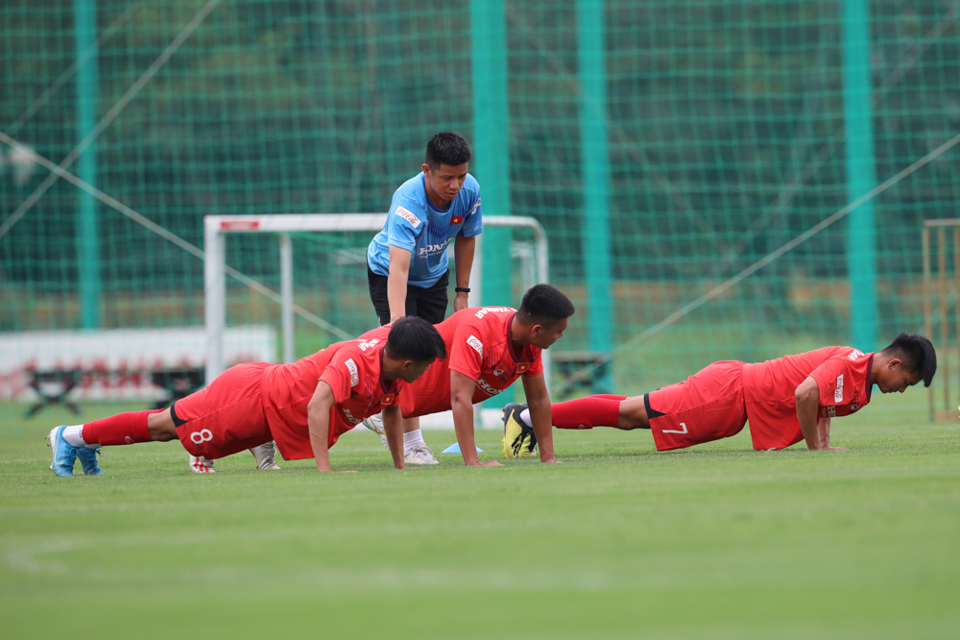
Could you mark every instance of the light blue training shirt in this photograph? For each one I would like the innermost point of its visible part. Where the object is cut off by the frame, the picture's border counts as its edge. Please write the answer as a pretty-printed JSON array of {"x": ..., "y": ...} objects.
[{"x": 415, "y": 224}]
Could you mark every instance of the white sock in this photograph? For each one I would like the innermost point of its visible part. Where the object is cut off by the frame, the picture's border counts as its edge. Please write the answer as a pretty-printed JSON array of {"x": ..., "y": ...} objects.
[
  {"x": 525, "y": 416},
  {"x": 412, "y": 439},
  {"x": 74, "y": 436}
]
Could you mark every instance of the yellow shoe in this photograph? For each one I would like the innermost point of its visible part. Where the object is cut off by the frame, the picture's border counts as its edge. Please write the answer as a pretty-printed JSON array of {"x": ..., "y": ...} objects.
[{"x": 519, "y": 440}]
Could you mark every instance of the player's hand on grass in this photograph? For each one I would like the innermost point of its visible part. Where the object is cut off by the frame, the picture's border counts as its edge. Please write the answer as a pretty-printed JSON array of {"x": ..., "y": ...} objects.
[
  {"x": 551, "y": 461},
  {"x": 492, "y": 463},
  {"x": 829, "y": 448}
]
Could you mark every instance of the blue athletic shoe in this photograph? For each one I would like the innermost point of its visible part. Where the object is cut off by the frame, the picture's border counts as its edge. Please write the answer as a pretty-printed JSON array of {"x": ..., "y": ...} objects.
[
  {"x": 88, "y": 458},
  {"x": 64, "y": 453}
]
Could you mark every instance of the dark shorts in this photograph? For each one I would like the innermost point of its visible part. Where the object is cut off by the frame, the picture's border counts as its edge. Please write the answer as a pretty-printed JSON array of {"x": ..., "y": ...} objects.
[{"x": 429, "y": 304}]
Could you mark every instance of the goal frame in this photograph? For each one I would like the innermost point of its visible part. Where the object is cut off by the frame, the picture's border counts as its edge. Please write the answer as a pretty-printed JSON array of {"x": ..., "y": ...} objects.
[{"x": 214, "y": 266}]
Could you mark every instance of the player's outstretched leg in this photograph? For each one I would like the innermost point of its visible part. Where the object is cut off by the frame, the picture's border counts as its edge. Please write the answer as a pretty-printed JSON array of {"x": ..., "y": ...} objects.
[
  {"x": 64, "y": 453},
  {"x": 519, "y": 440},
  {"x": 603, "y": 410},
  {"x": 84, "y": 440}
]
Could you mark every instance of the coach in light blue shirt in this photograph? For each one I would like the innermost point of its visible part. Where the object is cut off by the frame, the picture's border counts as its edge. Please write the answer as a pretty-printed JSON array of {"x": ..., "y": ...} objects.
[
  {"x": 407, "y": 262},
  {"x": 408, "y": 269}
]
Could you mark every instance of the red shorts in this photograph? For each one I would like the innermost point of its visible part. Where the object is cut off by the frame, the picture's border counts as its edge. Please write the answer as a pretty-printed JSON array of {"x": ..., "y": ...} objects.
[
  {"x": 226, "y": 416},
  {"x": 708, "y": 406}
]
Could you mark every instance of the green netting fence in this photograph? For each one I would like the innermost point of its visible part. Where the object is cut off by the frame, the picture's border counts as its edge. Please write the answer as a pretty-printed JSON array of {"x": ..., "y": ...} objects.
[{"x": 666, "y": 146}]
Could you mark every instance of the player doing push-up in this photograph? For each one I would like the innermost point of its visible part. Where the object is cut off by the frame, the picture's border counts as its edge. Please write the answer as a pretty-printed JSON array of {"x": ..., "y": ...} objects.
[
  {"x": 489, "y": 349},
  {"x": 786, "y": 400},
  {"x": 305, "y": 406}
]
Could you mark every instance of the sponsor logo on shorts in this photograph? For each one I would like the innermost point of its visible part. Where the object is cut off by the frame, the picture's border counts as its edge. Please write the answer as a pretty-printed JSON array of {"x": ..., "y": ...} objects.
[
  {"x": 349, "y": 416},
  {"x": 354, "y": 373},
  {"x": 474, "y": 342},
  {"x": 854, "y": 406},
  {"x": 831, "y": 412},
  {"x": 838, "y": 394},
  {"x": 409, "y": 217}
]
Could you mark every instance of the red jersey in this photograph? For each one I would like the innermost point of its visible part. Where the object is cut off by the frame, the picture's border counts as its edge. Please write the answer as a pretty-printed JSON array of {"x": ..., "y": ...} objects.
[
  {"x": 353, "y": 371},
  {"x": 478, "y": 346},
  {"x": 842, "y": 373}
]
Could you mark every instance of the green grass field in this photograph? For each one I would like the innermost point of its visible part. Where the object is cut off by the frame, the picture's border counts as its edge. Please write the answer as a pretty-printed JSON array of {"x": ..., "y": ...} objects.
[{"x": 618, "y": 542}]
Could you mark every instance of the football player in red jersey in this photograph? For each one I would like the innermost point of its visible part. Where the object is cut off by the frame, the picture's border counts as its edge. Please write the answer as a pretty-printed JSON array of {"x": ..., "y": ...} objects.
[
  {"x": 489, "y": 348},
  {"x": 786, "y": 400},
  {"x": 305, "y": 406}
]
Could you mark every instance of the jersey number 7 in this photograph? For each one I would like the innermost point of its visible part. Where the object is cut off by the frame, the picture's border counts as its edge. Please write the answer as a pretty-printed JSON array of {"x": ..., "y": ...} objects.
[{"x": 682, "y": 424}]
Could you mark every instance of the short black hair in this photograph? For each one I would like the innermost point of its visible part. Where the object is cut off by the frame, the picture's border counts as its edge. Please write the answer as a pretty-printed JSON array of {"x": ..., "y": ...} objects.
[
  {"x": 447, "y": 147},
  {"x": 917, "y": 354},
  {"x": 544, "y": 304},
  {"x": 415, "y": 338}
]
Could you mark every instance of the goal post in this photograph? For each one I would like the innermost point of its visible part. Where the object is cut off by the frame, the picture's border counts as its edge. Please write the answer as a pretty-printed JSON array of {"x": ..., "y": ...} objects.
[{"x": 216, "y": 227}]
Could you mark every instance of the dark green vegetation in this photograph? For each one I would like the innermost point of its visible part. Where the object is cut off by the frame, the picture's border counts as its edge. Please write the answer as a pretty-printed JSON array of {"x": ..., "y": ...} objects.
[{"x": 618, "y": 542}]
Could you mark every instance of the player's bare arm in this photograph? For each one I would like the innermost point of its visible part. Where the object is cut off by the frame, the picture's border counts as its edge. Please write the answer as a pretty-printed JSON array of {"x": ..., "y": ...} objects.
[
  {"x": 538, "y": 402},
  {"x": 823, "y": 430},
  {"x": 463, "y": 250},
  {"x": 318, "y": 424},
  {"x": 393, "y": 426},
  {"x": 397, "y": 282},
  {"x": 461, "y": 403},
  {"x": 808, "y": 401}
]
